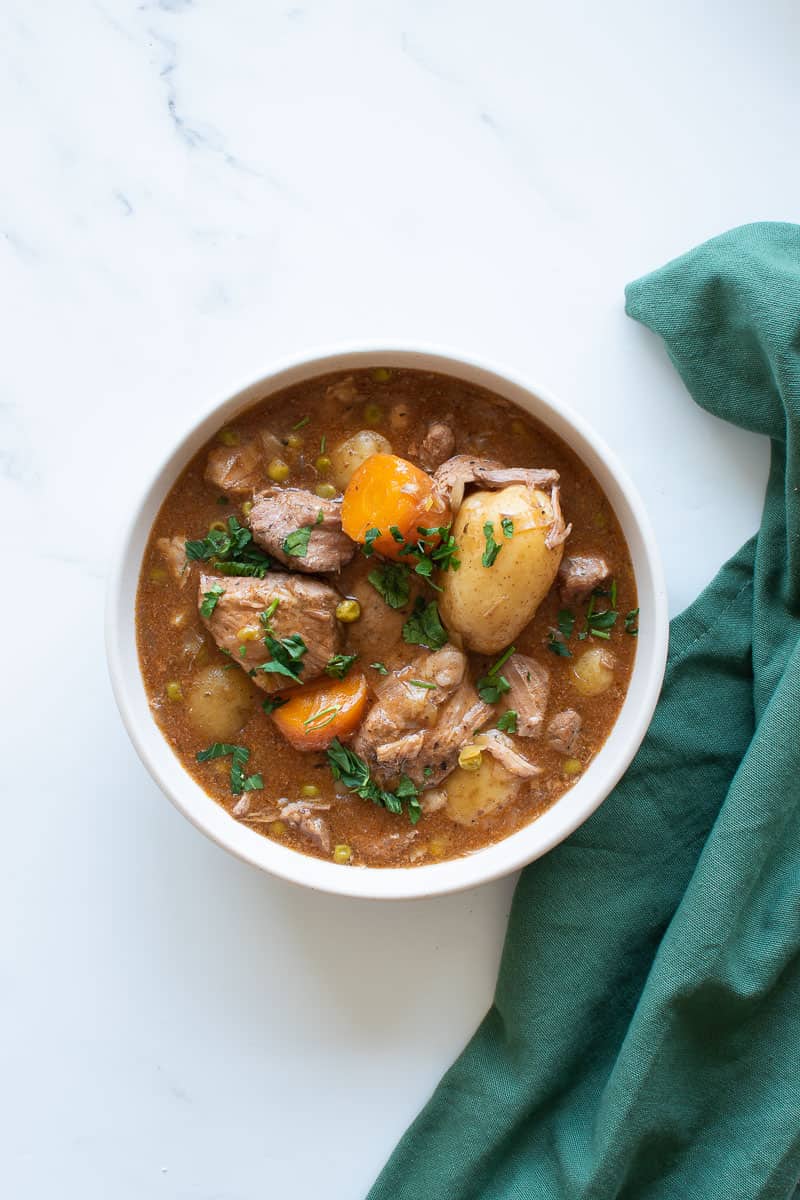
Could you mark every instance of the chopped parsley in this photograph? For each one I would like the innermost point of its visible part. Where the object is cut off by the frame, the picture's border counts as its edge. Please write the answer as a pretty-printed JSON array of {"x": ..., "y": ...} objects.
[
  {"x": 369, "y": 541},
  {"x": 566, "y": 622},
  {"x": 632, "y": 622},
  {"x": 322, "y": 444},
  {"x": 339, "y": 665},
  {"x": 211, "y": 600},
  {"x": 391, "y": 582},
  {"x": 319, "y": 720},
  {"x": 443, "y": 554},
  {"x": 558, "y": 646},
  {"x": 354, "y": 773},
  {"x": 231, "y": 551},
  {"x": 239, "y": 758},
  {"x": 598, "y": 624},
  {"x": 272, "y": 702},
  {"x": 425, "y": 568},
  {"x": 508, "y": 527},
  {"x": 508, "y": 722},
  {"x": 286, "y": 655},
  {"x": 380, "y": 668},
  {"x": 422, "y": 683},
  {"x": 493, "y": 685},
  {"x": 223, "y": 500},
  {"x": 493, "y": 548},
  {"x": 301, "y": 423},
  {"x": 295, "y": 544},
  {"x": 423, "y": 627},
  {"x": 269, "y": 612}
]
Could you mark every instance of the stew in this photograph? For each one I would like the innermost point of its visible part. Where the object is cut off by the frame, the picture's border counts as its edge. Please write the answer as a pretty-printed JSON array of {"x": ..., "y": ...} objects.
[{"x": 386, "y": 618}]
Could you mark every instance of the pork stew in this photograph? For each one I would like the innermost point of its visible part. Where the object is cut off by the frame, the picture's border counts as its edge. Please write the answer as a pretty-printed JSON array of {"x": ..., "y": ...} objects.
[{"x": 386, "y": 618}]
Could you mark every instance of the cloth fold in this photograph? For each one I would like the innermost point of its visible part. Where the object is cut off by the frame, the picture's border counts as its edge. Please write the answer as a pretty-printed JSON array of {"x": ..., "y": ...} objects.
[{"x": 644, "y": 1042}]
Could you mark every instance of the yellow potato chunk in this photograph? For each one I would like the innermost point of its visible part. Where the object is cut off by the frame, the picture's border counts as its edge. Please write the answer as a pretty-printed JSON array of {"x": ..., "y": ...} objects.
[
  {"x": 593, "y": 672},
  {"x": 353, "y": 451},
  {"x": 474, "y": 794},
  {"x": 489, "y": 605},
  {"x": 219, "y": 702}
]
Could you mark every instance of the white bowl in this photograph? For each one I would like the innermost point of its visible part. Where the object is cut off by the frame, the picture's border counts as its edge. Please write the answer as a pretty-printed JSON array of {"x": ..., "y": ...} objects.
[{"x": 392, "y": 883}]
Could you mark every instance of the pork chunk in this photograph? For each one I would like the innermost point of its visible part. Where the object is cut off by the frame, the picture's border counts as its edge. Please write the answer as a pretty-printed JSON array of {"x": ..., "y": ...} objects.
[
  {"x": 418, "y": 731},
  {"x": 454, "y": 475},
  {"x": 580, "y": 574},
  {"x": 173, "y": 551},
  {"x": 306, "y": 607},
  {"x": 437, "y": 445},
  {"x": 501, "y": 747},
  {"x": 279, "y": 512},
  {"x": 530, "y": 689},
  {"x": 235, "y": 469},
  {"x": 563, "y": 730}
]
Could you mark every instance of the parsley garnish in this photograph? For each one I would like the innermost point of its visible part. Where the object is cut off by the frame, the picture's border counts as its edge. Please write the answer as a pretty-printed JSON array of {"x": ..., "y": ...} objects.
[
  {"x": 493, "y": 548},
  {"x": 301, "y": 423},
  {"x": 632, "y": 622},
  {"x": 319, "y": 720},
  {"x": 422, "y": 683},
  {"x": 223, "y": 500},
  {"x": 269, "y": 612},
  {"x": 508, "y": 527},
  {"x": 286, "y": 654},
  {"x": 443, "y": 554},
  {"x": 239, "y": 758},
  {"x": 354, "y": 773},
  {"x": 272, "y": 702},
  {"x": 295, "y": 544},
  {"x": 391, "y": 582},
  {"x": 508, "y": 722},
  {"x": 322, "y": 444},
  {"x": 231, "y": 550},
  {"x": 369, "y": 541},
  {"x": 557, "y": 646},
  {"x": 566, "y": 622},
  {"x": 492, "y": 685},
  {"x": 211, "y": 599},
  {"x": 339, "y": 665},
  {"x": 423, "y": 627},
  {"x": 598, "y": 624},
  {"x": 380, "y": 668}
]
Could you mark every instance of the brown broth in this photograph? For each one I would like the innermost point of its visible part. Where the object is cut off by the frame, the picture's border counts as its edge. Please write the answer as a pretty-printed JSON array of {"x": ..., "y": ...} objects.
[{"x": 167, "y": 614}]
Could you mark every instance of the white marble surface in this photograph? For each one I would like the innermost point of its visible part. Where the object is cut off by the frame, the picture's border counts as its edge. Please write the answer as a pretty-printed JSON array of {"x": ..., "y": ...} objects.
[{"x": 190, "y": 191}]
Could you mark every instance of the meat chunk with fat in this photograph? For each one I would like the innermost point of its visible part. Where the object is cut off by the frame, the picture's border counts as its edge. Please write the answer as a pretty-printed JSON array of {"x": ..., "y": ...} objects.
[
  {"x": 580, "y": 574},
  {"x": 279, "y": 512},
  {"x": 454, "y": 475},
  {"x": 236, "y": 469},
  {"x": 308, "y": 820},
  {"x": 419, "y": 731},
  {"x": 437, "y": 445},
  {"x": 173, "y": 551},
  {"x": 501, "y": 747},
  {"x": 563, "y": 731},
  {"x": 529, "y": 684},
  {"x": 306, "y": 607}
]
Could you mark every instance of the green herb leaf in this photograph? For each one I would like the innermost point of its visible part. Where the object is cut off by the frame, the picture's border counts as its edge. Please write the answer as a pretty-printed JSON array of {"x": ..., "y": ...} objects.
[
  {"x": 396, "y": 534},
  {"x": 369, "y": 541},
  {"x": 558, "y": 647},
  {"x": 508, "y": 722},
  {"x": 253, "y": 783},
  {"x": 320, "y": 517},
  {"x": 339, "y": 665},
  {"x": 613, "y": 593},
  {"x": 286, "y": 654},
  {"x": 566, "y": 622},
  {"x": 232, "y": 550},
  {"x": 295, "y": 544},
  {"x": 422, "y": 683},
  {"x": 269, "y": 612},
  {"x": 391, "y": 582},
  {"x": 322, "y": 444},
  {"x": 272, "y": 702},
  {"x": 631, "y": 622},
  {"x": 223, "y": 500},
  {"x": 211, "y": 600},
  {"x": 504, "y": 657},
  {"x": 319, "y": 720},
  {"x": 239, "y": 758},
  {"x": 508, "y": 527},
  {"x": 423, "y": 627},
  {"x": 217, "y": 750},
  {"x": 492, "y": 687},
  {"x": 493, "y": 548},
  {"x": 380, "y": 668},
  {"x": 603, "y": 620},
  {"x": 301, "y": 423},
  {"x": 250, "y": 570},
  {"x": 354, "y": 773}
]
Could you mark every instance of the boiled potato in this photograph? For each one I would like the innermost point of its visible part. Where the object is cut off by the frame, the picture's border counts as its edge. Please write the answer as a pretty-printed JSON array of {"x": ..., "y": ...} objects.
[
  {"x": 219, "y": 702},
  {"x": 593, "y": 672},
  {"x": 353, "y": 451},
  {"x": 489, "y": 606},
  {"x": 473, "y": 794}
]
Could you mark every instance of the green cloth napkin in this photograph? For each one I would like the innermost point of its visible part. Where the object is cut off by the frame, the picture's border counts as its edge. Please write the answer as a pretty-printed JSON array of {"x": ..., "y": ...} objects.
[{"x": 645, "y": 1036}]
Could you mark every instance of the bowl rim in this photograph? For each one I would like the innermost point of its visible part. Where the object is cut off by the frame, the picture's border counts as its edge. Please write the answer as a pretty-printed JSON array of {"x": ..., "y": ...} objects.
[{"x": 491, "y": 862}]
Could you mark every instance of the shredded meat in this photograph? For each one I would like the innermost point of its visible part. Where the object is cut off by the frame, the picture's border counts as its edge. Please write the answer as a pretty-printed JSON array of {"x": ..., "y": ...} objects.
[
  {"x": 419, "y": 731},
  {"x": 580, "y": 574},
  {"x": 305, "y": 606},
  {"x": 502, "y": 748},
  {"x": 236, "y": 469},
  {"x": 530, "y": 690},
  {"x": 563, "y": 730},
  {"x": 453, "y": 476},
  {"x": 278, "y": 512},
  {"x": 306, "y": 818},
  {"x": 559, "y": 530},
  {"x": 437, "y": 445},
  {"x": 173, "y": 551}
]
